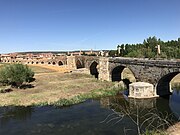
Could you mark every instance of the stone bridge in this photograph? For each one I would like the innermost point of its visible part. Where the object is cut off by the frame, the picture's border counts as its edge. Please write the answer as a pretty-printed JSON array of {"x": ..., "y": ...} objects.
[
  {"x": 157, "y": 72},
  {"x": 70, "y": 62}
]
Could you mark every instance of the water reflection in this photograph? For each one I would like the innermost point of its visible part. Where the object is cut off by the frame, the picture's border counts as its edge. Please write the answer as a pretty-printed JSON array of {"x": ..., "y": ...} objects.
[
  {"x": 174, "y": 103},
  {"x": 14, "y": 112},
  {"x": 105, "y": 116},
  {"x": 146, "y": 114},
  {"x": 153, "y": 113}
]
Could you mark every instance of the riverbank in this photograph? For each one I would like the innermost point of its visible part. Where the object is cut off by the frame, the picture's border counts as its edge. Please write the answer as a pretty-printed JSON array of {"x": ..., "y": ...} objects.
[
  {"x": 53, "y": 87},
  {"x": 174, "y": 130}
]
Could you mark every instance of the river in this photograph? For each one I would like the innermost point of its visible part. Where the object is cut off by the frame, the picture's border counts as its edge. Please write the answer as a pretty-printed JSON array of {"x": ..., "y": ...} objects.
[{"x": 116, "y": 115}]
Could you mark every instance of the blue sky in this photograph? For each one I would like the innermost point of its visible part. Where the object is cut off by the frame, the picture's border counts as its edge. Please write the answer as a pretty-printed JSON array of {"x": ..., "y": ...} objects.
[{"x": 58, "y": 25}]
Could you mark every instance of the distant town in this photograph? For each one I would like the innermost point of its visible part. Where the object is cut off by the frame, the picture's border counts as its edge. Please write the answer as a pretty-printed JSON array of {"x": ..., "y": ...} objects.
[{"x": 20, "y": 56}]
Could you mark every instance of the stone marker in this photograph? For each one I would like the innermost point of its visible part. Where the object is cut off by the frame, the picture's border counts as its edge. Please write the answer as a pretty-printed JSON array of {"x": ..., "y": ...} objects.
[{"x": 141, "y": 90}]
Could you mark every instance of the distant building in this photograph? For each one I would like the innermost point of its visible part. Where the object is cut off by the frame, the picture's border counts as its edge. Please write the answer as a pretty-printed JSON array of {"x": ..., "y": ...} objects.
[{"x": 18, "y": 57}]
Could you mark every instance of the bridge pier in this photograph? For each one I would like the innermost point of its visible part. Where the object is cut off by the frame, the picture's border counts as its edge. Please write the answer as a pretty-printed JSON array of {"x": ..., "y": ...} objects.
[
  {"x": 71, "y": 62},
  {"x": 104, "y": 69}
]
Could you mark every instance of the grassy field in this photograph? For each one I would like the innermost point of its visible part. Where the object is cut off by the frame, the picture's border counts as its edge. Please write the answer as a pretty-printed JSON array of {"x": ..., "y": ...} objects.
[
  {"x": 51, "y": 86},
  {"x": 39, "y": 70},
  {"x": 54, "y": 85},
  {"x": 48, "y": 68}
]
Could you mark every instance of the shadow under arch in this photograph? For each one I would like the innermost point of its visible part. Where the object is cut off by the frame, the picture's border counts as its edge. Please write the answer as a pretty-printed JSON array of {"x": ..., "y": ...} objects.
[
  {"x": 79, "y": 64},
  {"x": 163, "y": 87},
  {"x": 54, "y": 63},
  {"x": 93, "y": 69},
  {"x": 60, "y": 63},
  {"x": 116, "y": 75}
]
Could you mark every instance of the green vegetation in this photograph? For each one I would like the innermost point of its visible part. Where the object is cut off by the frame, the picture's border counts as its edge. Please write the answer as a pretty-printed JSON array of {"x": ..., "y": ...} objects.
[
  {"x": 148, "y": 49},
  {"x": 58, "y": 88},
  {"x": 83, "y": 97},
  {"x": 15, "y": 75}
]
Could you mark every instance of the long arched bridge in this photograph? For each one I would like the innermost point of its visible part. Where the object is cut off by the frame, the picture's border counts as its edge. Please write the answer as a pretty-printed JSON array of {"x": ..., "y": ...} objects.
[{"x": 157, "y": 72}]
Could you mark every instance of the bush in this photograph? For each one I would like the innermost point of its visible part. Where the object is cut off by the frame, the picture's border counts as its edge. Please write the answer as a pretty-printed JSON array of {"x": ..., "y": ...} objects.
[{"x": 15, "y": 75}]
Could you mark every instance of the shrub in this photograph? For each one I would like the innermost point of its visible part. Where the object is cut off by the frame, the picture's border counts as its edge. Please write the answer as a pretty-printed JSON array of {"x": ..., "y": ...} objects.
[{"x": 15, "y": 75}]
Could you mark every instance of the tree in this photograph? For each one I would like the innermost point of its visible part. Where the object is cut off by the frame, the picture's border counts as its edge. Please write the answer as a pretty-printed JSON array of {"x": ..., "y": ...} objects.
[
  {"x": 148, "y": 49},
  {"x": 15, "y": 75},
  {"x": 112, "y": 53}
]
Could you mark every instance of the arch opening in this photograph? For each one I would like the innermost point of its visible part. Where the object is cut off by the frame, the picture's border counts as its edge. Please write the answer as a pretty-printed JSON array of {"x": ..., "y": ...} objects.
[
  {"x": 60, "y": 63},
  {"x": 49, "y": 62},
  {"x": 122, "y": 73},
  {"x": 163, "y": 87},
  {"x": 42, "y": 62},
  {"x": 93, "y": 69},
  {"x": 54, "y": 63},
  {"x": 79, "y": 64},
  {"x": 117, "y": 73}
]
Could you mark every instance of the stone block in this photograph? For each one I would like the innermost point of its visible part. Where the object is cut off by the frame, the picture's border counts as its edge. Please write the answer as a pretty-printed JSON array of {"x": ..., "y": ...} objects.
[{"x": 141, "y": 90}]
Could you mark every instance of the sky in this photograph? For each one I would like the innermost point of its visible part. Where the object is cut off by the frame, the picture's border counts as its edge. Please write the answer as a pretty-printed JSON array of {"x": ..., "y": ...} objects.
[{"x": 64, "y": 25}]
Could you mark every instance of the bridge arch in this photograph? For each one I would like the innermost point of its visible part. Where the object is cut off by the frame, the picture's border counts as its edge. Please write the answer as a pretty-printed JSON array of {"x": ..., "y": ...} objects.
[
  {"x": 163, "y": 85},
  {"x": 79, "y": 64},
  {"x": 60, "y": 63},
  {"x": 54, "y": 63},
  {"x": 42, "y": 62},
  {"x": 117, "y": 74},
  {"x": 93, "y": 69}
]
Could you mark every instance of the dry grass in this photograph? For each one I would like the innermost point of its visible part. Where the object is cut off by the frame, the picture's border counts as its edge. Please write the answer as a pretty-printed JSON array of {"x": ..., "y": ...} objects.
[
  {"x": 48, "y": 68},
  {"x": 51, "y": 87},
  {"x": 38, "y": 69},
  {"x": 52, "y": 84}
]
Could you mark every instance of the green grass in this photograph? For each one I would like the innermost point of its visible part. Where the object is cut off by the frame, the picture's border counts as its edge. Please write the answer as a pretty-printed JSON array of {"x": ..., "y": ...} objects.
[{"x": 83, "y": 97}]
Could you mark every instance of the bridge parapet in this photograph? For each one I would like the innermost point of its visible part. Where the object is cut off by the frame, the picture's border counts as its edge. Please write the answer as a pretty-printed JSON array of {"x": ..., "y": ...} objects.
[{"x": 144, "y": 62}]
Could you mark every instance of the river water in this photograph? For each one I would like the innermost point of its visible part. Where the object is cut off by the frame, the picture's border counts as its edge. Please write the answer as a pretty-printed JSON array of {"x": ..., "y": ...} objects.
[{"x": 116, "y": 115}]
